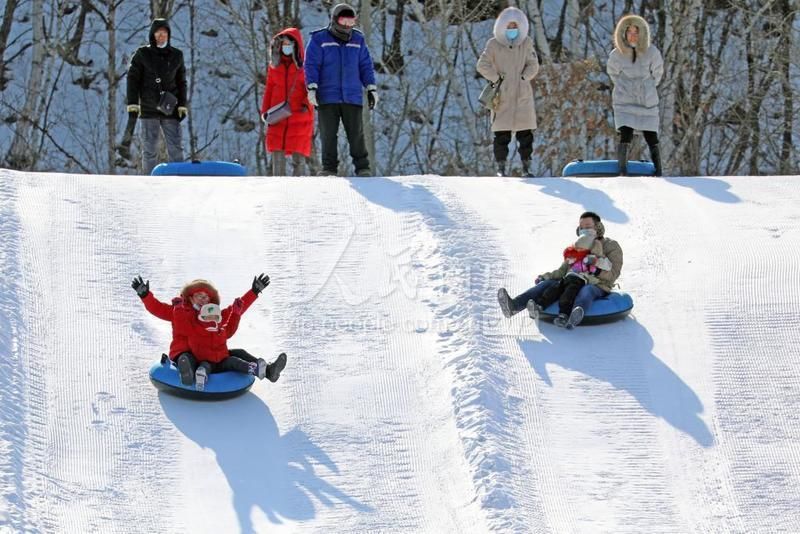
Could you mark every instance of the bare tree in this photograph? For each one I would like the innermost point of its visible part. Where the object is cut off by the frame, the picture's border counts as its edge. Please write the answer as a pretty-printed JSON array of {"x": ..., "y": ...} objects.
[
  {"x": 161, "y": 9},
  {"x": 369, "y": 133},
  {"x": 728, "y": 102},
  {"x": 5, "y": 31},
  {"x": 23, "y": 154},
  {"x": 393, "y": 53},
  {"x": 786, "y": 163},
  {"x": 539, "y": 35}
]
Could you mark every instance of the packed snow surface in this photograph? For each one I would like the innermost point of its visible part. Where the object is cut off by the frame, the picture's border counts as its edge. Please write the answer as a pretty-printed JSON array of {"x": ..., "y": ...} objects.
[{"x": 408, "y": 404}]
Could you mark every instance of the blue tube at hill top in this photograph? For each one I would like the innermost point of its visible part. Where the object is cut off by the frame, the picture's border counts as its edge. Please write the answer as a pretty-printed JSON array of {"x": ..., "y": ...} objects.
[
  {"x": 199, "y": 168},
  {"x": 607, "y": 167}
]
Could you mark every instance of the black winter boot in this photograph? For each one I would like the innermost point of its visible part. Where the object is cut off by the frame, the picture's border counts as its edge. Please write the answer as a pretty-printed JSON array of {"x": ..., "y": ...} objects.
[
  {"x": 655, "y": 155},
  {"x": 185, "y": 369},
  {"x": 274, "y": 369},
  {"x": 501, "y": 169},
  {"x": 526, "y": 168},
  {"x": 506, "y": 304},
  {"x": 622, "y": 157}
]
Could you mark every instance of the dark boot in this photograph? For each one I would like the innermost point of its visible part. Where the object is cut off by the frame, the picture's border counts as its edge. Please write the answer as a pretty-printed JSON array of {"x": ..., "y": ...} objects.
[
  {"x": 501, "y": 169},
  {"x": 622, "y": 157},
  {"x": 655, "y": 155},
  {"x": 185, "y": 368},
  {"x": 506, "y": 304},
  {"x": 526, "y": 168},
  {"x": 274, "y": 369},
  {"x": 575, "y": 318}
]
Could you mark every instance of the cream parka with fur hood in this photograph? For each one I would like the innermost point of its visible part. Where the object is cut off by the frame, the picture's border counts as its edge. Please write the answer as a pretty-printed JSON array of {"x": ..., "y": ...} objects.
[
  {"x": 635, "y": 97},
  {"x": 517, "y": 64}
]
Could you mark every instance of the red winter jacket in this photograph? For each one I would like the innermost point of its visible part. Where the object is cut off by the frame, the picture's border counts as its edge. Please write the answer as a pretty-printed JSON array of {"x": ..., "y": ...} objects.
[
  {"x": 285, "y": 76},
  {"x": 572, "y": 254},
  {"x": 189, "y": 334}
]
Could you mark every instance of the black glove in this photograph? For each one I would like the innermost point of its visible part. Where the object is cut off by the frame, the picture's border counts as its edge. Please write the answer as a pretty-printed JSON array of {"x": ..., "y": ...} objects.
[
  {"x": 142, "y": 288},
  {"x": 259, "y": 283},
  {"x": 372, "y": 95}
]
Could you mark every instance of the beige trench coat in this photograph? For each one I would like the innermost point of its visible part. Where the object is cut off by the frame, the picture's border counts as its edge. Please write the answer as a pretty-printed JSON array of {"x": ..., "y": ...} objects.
[{"x": 517, "y": 64}]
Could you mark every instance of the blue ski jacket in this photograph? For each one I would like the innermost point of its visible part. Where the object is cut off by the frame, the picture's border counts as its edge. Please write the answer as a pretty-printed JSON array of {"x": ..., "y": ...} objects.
[{"x": 340, "y": 69}]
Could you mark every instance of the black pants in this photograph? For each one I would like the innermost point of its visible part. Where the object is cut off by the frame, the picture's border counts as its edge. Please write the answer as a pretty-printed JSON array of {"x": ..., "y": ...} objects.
[
  {"x": 626, "y": 136},
  {"x": 502, "y": 139},
  {"x": 350, "y": 117},
  {"x": 564, "y": 292},
  {"x": 237, "y": 360}
]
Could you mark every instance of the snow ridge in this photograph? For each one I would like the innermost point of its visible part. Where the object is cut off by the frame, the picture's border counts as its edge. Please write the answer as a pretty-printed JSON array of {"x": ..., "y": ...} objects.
[
  {"x": 13, "y": 368},
  {"x": 462, "y": 298}
]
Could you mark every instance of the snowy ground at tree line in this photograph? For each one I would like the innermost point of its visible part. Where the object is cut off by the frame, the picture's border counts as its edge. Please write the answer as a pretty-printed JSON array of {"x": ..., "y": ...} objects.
[{"x": 408, "y": 404}]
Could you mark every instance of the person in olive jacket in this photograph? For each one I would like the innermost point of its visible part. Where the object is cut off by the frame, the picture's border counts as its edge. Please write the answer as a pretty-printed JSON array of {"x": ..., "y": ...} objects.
[
  {"x": 154, "y": 68},
  {"x": 605, "y": 255}
]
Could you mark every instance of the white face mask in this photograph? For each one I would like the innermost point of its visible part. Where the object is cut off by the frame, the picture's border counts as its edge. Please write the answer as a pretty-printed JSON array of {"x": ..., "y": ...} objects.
[{"x": 588, "y": 231}]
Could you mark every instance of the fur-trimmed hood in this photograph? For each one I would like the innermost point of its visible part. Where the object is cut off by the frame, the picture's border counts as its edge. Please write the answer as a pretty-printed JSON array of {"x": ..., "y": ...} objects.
[
  {"x": 621, "y": 43},
  {"x": 508, "y": 15},
  {"x": 200, "y": 285},
  {"x": 299, "y": 53}
]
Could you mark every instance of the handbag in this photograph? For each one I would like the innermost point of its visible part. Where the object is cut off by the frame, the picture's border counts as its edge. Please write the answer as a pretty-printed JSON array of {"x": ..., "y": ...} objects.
[
  {"x": 281, "y": 111},
  {"x": 278, "y": 113},
  {"x": 167, "y": 101},
  {"x": 490, "y": 95}
]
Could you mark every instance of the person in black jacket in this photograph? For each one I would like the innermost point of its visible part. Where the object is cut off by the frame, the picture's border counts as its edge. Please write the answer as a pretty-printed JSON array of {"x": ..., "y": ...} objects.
[{"x": 155, "y": 68}]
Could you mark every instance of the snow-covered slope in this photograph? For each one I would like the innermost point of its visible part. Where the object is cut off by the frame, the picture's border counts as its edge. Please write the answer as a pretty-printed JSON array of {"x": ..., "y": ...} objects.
[{"x": 408, "y": 403}]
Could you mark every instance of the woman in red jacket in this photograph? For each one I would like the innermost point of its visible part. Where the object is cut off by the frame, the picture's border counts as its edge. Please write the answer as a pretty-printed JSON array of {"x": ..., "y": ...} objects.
[
  {"x": 200, "y": 331},
  {"x": 286, "y": 82}
]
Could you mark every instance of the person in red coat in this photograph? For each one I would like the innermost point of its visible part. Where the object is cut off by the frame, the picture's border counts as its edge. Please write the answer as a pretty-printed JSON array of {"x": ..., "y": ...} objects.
[
  {"x": 286, "y": 82},
  {"x": 200, "y": 331}
]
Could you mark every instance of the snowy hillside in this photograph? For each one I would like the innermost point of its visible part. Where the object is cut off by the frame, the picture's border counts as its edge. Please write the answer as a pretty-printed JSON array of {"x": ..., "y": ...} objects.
[{"x": 408, "y": 404}]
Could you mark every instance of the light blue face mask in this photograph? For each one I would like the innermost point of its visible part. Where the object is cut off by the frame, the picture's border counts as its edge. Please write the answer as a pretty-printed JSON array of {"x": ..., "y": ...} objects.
[
  {"x": 512, "y": 33},
  {"x": 585, "y": 231},
  {"x": 287, "y": 49}
]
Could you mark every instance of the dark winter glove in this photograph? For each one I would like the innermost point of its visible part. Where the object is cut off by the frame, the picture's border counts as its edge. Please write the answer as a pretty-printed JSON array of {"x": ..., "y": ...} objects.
[
  {"x": 259, "y": 283},
  {"x": 142, "y": 288},
  {"x": 372, "y": 96},
  {"x": 591, "y": 259}
]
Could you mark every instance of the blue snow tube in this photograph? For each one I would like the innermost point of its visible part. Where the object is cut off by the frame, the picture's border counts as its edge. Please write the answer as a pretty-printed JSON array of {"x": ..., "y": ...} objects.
[
  {"x": 219, "y": 386},
  {"x": 612, "y": 307},
  {"x": 199, "y": 168},
  {"x": 607, "y": 167}
]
